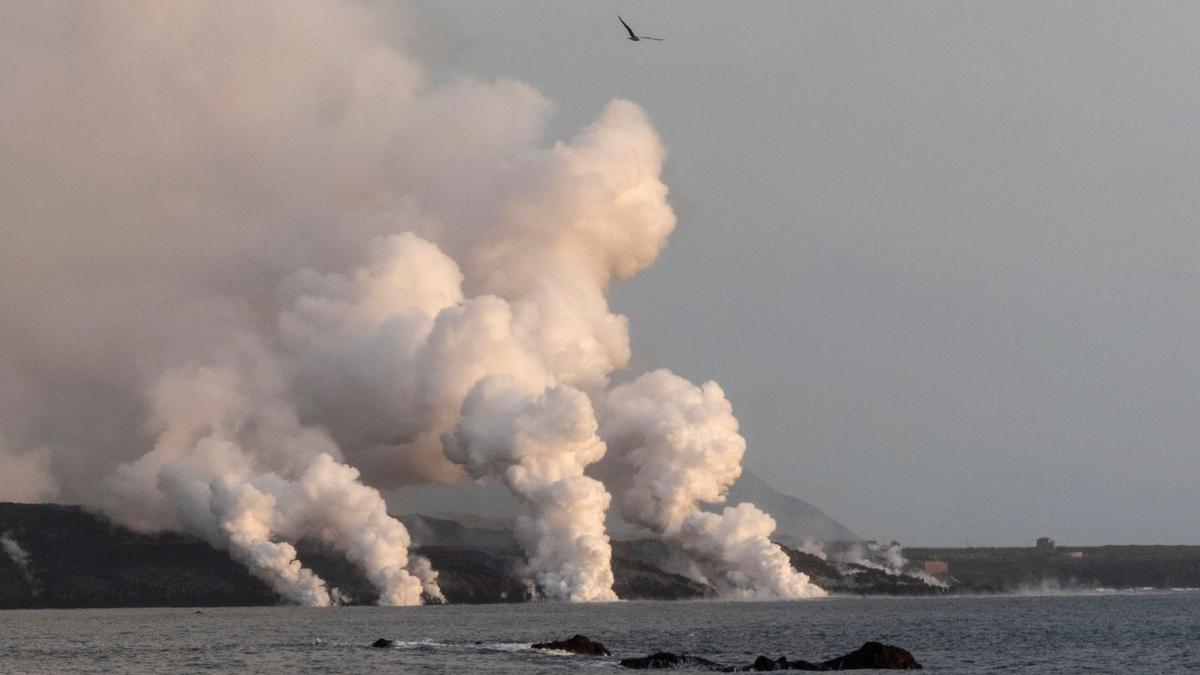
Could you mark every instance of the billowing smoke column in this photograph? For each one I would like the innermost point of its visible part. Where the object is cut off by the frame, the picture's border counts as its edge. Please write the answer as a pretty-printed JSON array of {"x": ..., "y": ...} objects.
[
  {"x": 539, "y": 447},
  {"x": 674, "y": 445},
  {"x": 257, "y": 266},
  {"x": 497, "y": 383},
  {"x": 220, "y": 431},
  {"x": 242, "y": 518},
  {"x": 330, "y": 504}
]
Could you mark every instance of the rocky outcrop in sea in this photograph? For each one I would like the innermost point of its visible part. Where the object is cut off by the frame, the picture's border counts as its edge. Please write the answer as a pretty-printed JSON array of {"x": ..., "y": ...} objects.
[{"x": 872, "y": 655}]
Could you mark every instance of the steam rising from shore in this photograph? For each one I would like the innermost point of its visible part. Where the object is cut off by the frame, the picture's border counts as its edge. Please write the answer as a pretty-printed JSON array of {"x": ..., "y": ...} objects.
[
  {"x": 539, "y": 447},
  {"x": 220, "y": 469},
  {"x": 20, "y": 557},
  {"x": 258, "y": 266},
  {"x": 889, "y": 559},
  {"x": 675, "y": 445}
]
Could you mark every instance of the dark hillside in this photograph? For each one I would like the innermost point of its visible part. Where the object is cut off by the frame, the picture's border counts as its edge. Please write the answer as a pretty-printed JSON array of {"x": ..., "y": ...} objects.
[
  {"x": 1115, "y": 567},
  {"x": 76, "y": 559}
]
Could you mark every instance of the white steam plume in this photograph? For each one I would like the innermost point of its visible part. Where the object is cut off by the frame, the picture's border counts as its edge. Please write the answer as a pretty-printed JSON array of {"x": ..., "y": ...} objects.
[
  {"x": 735, "y": 551},
  {"x": 233, "y": 464},
  {"x": 254, "y": 255},
  {"x": 673, "y": 445},
  {"x": 225, "y": 162},
  {"x": 388, "y": 353},
  {"x": 20, "y": 557},
  {"x": 889, "y": 559},
  {"x": 814, "y": 548},
  {"x": 328, "y": 502},
  {"x": 539, "y": 447},
  {"x": 875, "y": 556},
  {"x": 243, "y": 517}
]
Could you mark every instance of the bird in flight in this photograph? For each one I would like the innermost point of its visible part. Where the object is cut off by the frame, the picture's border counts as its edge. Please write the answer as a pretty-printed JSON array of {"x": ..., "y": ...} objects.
[{"x": 634, "y": 36}]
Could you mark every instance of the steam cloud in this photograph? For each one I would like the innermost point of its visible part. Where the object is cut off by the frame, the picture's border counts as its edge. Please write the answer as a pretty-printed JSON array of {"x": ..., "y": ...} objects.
[
  {"x": 258, "y": 266},
  {"x": 540, "y": 448},
  {"x": 889, "y": 559},
  {"x": 676, "y": 445},
  {"x": 20, "y": 557}
]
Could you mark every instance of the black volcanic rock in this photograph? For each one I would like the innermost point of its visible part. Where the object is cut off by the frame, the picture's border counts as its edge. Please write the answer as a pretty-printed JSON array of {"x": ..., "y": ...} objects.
[
  {"x": 576, "y": 644},
  {"x": 469, "y": 576},
  {"x": 664, "y": 660},
  {"x": 430, "y": 531},
  {"x": 331, "y": 565},
  {"x": 638, "y": 576},
  {"x": 81, "y": 560},
  {"x": 850, "y": 578},
  {"x": 78, "y": 559},
  {"x": 863, "y": 580},
  {"x": 822, "y": 572},
  {"x": 764, "y": 664},
  {"x": 874, "y": 655}
]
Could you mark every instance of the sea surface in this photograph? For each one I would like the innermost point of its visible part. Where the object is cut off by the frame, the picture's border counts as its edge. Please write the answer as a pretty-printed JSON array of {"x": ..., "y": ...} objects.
[{"x": 1120, "y": 632}]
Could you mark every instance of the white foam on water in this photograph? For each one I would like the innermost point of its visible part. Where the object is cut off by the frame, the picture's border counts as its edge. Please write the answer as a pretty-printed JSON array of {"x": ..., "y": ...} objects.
[
  {"x": 513, "y": 647},
  {"x": 417, "y": 644}
]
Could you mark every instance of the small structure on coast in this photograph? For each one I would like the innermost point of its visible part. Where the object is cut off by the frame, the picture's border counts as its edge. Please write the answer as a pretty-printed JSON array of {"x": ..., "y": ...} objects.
[{"x": 936, "y": 568}]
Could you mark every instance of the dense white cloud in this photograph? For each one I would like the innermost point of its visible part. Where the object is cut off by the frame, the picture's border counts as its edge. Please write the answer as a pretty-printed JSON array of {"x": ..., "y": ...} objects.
[{"x": 258, "y": 265}]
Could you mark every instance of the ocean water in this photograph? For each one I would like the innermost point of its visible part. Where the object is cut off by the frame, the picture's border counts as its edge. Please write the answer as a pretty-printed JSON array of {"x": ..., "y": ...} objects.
[{"x": 1152, "y": 632}]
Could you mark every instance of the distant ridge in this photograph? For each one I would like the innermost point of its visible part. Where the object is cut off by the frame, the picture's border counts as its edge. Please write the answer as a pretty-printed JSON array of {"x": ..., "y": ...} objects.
[
  {"x": 492, "y": 505},
  {"x": 796, "y": 520}
]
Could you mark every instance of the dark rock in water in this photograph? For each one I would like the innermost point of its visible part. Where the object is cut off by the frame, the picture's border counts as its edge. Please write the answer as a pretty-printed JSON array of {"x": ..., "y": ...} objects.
[
  {"x": 382, "y": 643},
  {"x": 874, "y": 655},
  {"x": 663, "y": 660},
  {"x": 870, "y": 655},
  {"x": 764, "y": 664},
  {"x": 578, "y": 644}
]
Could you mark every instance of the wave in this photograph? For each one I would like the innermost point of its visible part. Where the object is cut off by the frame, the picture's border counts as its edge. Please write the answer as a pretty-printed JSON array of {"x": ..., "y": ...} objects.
[
  {"x": 418, "y": 644},
  {"x": 509, "y": 647}
]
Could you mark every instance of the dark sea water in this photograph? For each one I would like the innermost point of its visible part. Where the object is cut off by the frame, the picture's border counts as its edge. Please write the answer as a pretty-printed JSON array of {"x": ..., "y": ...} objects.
[{"x": 1155, "y": 632}]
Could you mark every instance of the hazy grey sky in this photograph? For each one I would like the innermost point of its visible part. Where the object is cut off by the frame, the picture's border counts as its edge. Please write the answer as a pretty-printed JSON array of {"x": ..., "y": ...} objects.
[{"x": 942, "y": 256}]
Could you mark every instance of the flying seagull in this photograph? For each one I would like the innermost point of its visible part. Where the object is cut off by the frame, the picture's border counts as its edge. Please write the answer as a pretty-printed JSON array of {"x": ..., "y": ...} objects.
[{"x": 634, "y": 36}]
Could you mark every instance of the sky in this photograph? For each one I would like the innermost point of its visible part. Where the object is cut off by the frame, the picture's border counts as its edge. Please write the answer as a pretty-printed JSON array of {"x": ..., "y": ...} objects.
[{"x": 941, "y": 256}]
